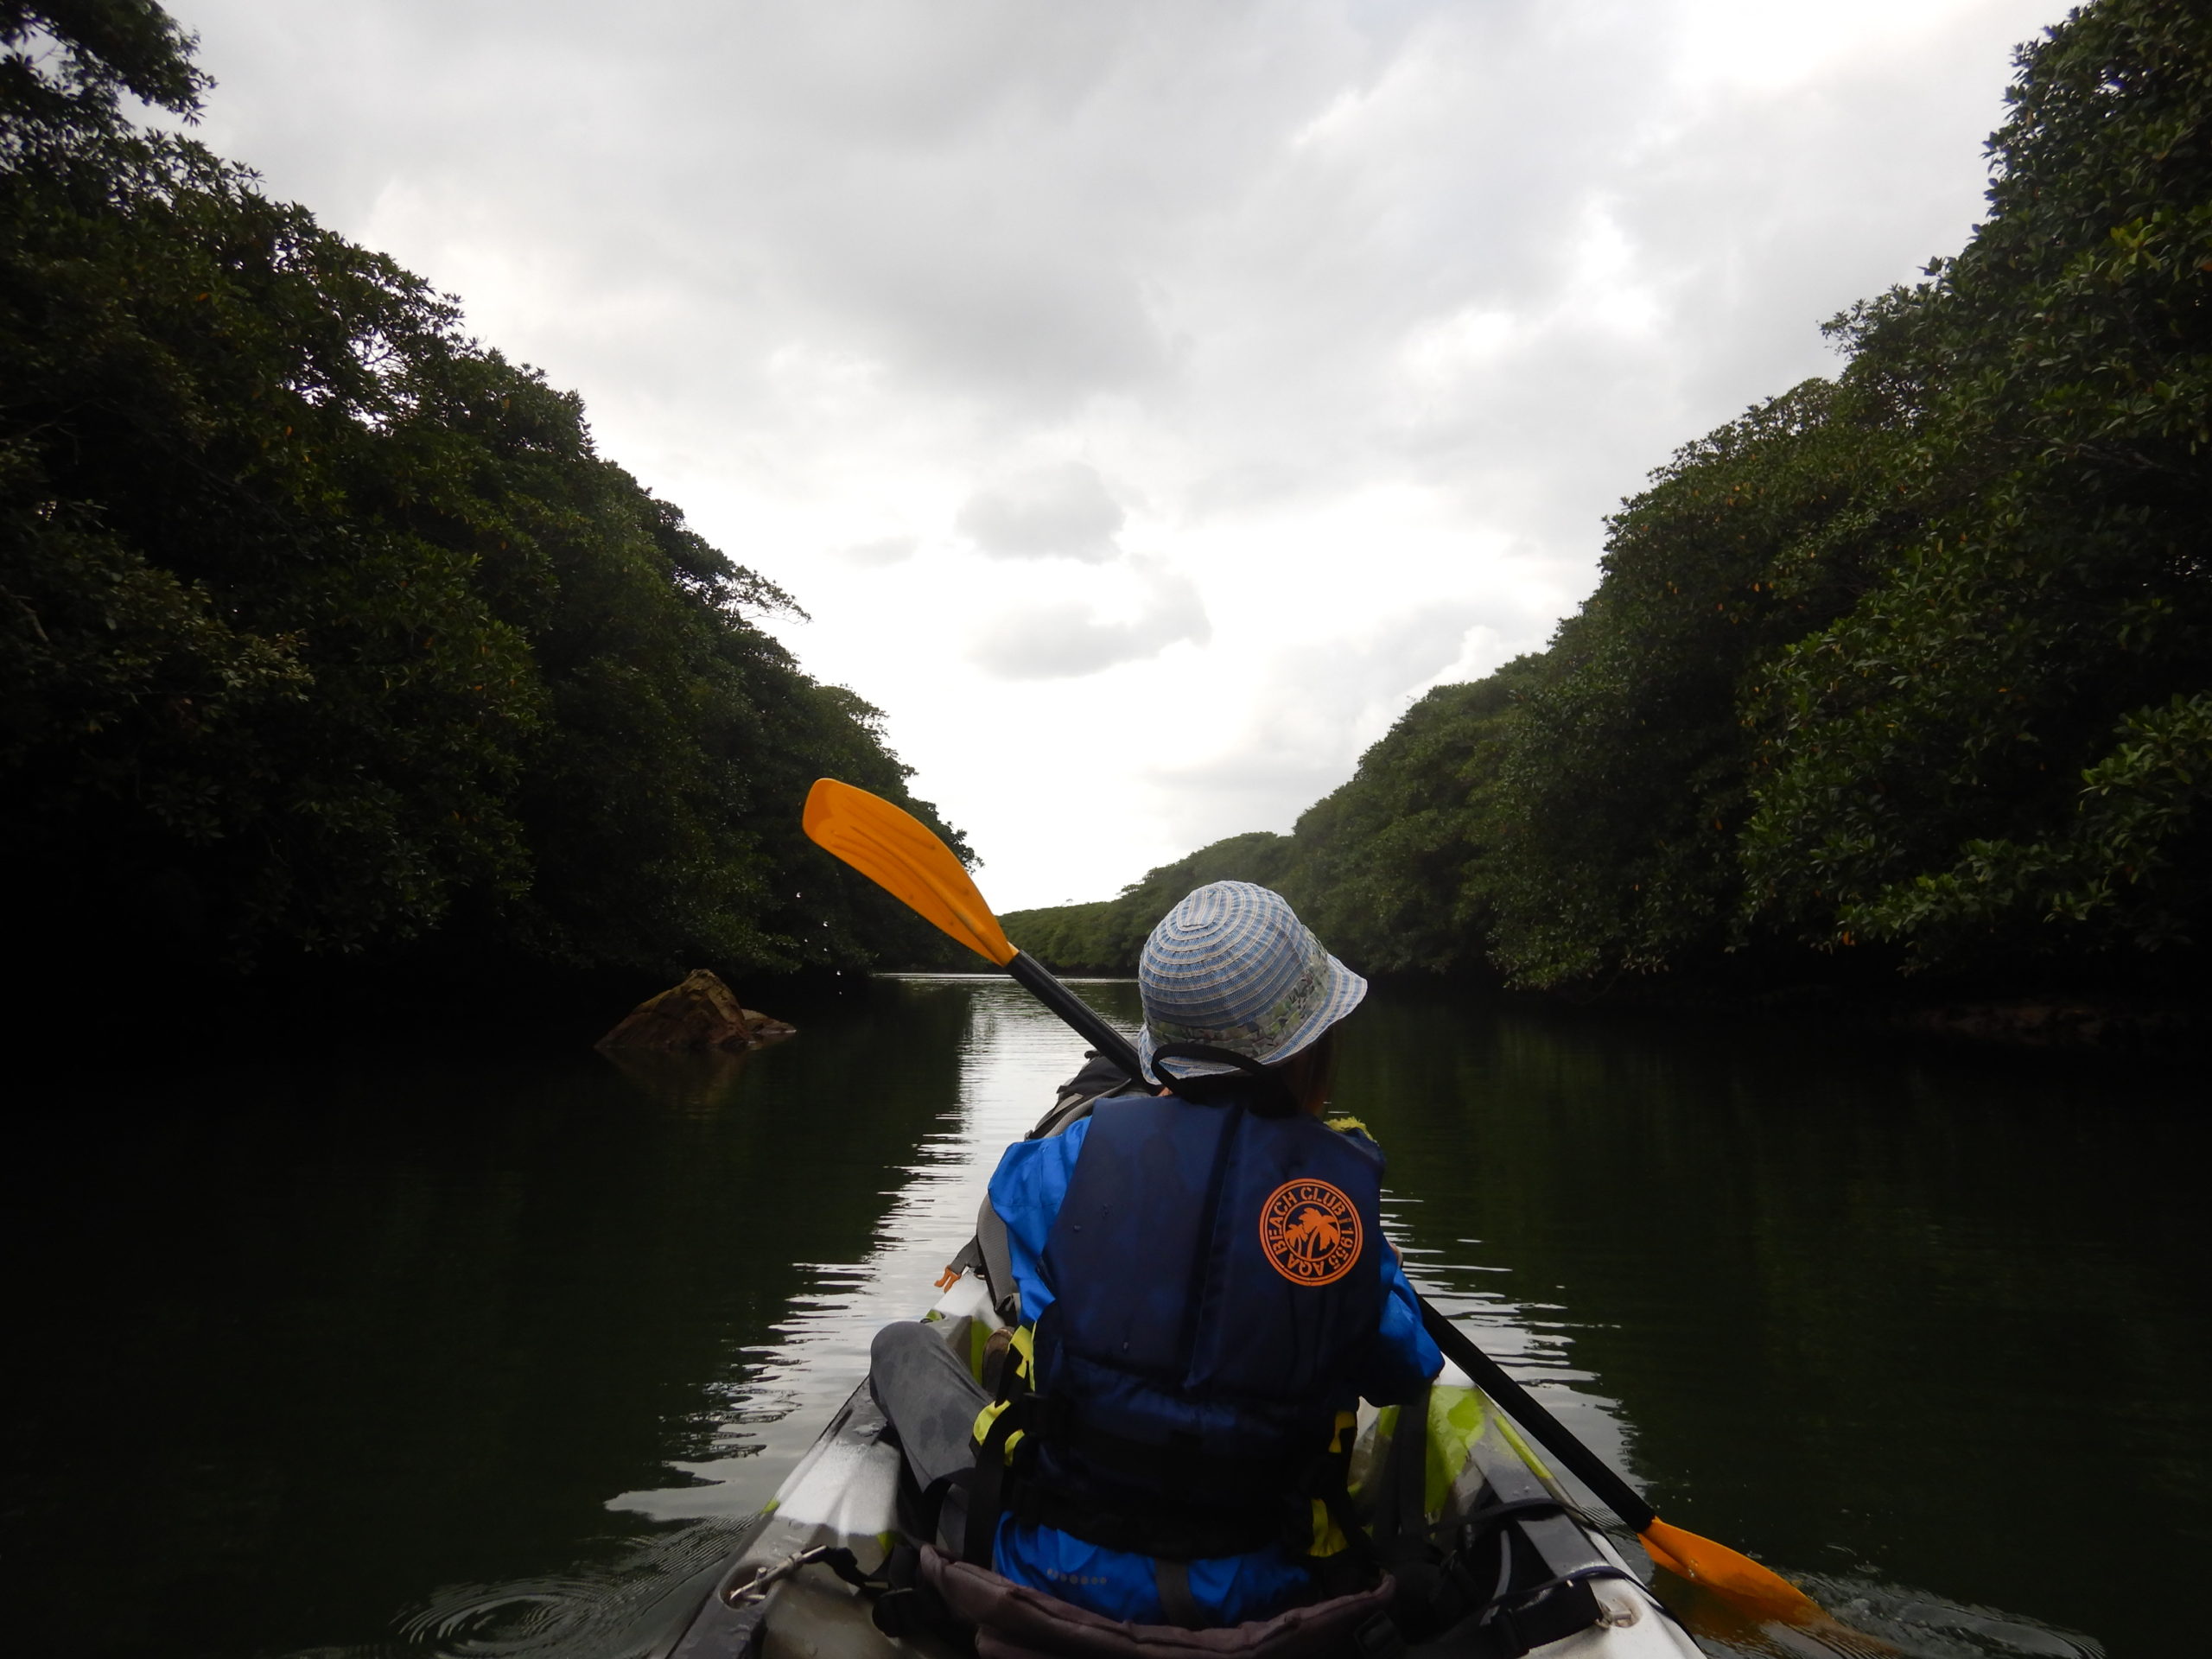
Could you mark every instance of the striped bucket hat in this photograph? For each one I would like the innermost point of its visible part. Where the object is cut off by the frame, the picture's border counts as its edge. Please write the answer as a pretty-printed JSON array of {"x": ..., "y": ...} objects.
[{"x": 1233, "y": 966}]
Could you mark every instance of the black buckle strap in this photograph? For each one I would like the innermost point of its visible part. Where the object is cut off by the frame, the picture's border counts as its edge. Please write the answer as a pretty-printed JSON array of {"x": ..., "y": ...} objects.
[
  {"x": 1437, "y": 1588},
  {"x": 1379, "y": 1638},
  {"x": 1180, "y": 1467},
  {"x": 987, "y": 1495},
  {"x": 1538, "y": 1613},
  {"x": 1018, "y": 1413},
  {"x": 1146, "y": 1527},
  {"x": 1473, "y": 1529},
  {"x": 1401, "y": 1489},
  {"x": 929, "y": 1513},
  {"x": 1171, "y": 1581},
  {"x": 903, "y": 1604}
]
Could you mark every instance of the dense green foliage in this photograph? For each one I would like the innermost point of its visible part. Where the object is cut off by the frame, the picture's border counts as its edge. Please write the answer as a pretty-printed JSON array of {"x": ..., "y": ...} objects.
[
  {"x": 1103, "y": 936},
  {"x": 1915, "y": 664},
  {"x": 324, "y": 630}
]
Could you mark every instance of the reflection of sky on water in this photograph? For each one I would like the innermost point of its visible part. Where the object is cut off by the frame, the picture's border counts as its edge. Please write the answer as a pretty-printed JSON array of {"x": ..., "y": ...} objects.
[
  {"x": 1013, "y": 1057},
  {"x": 1531, "y": 1341}
]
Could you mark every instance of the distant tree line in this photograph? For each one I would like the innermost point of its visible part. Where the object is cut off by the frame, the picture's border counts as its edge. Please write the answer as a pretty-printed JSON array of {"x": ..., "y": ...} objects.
[
  {"x": 326, "y": 631},
  {"x": 1909, "y": 670}
]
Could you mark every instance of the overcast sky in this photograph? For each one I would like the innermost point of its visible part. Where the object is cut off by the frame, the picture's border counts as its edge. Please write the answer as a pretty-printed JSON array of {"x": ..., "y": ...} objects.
[{"x": 1147, "y": 401}]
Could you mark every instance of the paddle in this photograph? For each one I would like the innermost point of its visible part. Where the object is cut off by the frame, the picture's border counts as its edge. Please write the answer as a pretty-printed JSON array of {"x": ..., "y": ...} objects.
[{"x": 901, "y": 855}]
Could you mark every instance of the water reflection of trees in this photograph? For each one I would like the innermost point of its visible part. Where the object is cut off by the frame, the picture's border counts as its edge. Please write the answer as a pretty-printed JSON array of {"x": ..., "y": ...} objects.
[
  {"x": 705, "y": 1081},
  {"x": 330, "y": 1341},
  {"x": 1855, "y": 1301}
]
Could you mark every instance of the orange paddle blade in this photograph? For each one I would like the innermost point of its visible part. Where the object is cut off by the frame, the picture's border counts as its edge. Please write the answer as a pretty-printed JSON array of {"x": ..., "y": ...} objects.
[
  {"x": 1729, "y": 1572},
  {"x": 902, "y": 855}
]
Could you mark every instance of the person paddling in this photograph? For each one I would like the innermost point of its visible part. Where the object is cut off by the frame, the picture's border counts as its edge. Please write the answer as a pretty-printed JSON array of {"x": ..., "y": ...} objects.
[{"x": 1204, "y": 1294}]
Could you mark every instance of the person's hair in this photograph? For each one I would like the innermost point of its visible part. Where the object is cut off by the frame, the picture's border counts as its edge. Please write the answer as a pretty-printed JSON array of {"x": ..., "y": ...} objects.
[{"x": 1306, "y": 1076}]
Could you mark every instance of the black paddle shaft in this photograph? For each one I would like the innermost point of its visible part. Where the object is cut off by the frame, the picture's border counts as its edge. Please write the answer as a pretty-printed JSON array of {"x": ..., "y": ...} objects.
[
  {"x": 1548, "y": 1432},
  {"x": 1037, "y": 979}
]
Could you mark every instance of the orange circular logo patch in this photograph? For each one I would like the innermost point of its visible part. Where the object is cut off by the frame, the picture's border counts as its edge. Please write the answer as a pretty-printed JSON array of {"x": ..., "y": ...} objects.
[{"x": 1310, "y": 1231}]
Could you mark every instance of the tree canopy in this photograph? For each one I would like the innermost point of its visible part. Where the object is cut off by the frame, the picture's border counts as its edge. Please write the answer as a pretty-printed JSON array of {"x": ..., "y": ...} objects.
[
  {"x": 1909, "y": 665},
  {"x": 325, "y": 630}
]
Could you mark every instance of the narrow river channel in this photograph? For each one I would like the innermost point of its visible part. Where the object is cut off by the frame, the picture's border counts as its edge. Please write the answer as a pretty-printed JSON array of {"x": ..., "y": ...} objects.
[{"x": 489, "y": 1356}]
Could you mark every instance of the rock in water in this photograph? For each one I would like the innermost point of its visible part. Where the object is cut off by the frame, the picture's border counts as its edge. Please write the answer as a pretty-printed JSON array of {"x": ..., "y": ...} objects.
[{"x": 701, "y": 1012}]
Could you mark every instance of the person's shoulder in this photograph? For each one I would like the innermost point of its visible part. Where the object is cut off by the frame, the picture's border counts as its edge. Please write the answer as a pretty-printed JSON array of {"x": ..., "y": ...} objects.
[
  {"x": 1058, "y": 1146},
  {"x": 1033, "y": 1176},
  {"x": 1134, "y": 1099},
  {"x": 1133, "y": 1096}
]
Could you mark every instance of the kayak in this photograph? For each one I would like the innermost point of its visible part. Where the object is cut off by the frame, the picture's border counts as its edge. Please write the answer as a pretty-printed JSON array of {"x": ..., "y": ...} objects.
[{"x": 780, "y": 1597}]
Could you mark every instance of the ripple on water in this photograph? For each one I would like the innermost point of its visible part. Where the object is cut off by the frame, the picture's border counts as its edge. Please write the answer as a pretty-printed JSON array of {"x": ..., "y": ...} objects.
[
  {"x": 1899, "y": 1620},
  {"x": 596, "y": 1611},
  {"x": 1929, "y": 1627}
]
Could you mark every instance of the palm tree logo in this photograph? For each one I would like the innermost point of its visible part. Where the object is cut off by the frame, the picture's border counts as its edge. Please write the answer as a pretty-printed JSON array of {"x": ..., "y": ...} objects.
[
  {"x": 1314, "y": 1233},
  {"x": 1310, "y": 1232}
]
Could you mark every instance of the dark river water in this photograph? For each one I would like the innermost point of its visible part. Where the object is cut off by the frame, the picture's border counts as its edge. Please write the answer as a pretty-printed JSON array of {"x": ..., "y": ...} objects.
[{"x": 489, "y": 1356}]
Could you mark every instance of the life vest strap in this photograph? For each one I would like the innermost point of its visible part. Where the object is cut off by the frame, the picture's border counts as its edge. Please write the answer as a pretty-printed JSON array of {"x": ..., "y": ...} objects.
[
  {"x": 999, "y": 1428},
  {"x": 1148, "y": 1527},
  {"x": 1203, "y": 1505},
  {"x": 1170, "y": 1580},
  {"x": 1180, "y": 1469}
]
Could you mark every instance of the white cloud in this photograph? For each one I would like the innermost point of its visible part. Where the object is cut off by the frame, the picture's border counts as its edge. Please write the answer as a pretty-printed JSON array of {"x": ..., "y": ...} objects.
[
  {"x": 884, "y": 550},
  {"x": 1062, "y": 639},
  {"x": 1064, "y": 511},
  {"x": 1369, "y": 314}
]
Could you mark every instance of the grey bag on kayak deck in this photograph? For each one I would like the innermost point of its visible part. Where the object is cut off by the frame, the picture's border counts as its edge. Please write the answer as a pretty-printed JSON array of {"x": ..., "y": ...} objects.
[{"x": 1015, "y": 1622}]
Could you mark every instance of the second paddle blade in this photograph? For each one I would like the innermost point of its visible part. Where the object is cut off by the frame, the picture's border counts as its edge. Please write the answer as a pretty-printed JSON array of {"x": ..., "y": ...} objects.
[{"x": 903, "y": 856}]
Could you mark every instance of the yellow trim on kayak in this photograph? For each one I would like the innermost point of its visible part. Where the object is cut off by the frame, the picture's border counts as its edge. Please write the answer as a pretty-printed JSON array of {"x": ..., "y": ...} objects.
[
  {"x": 1457, "y": 1418},
  {"x": 1528, "y": 1454}
]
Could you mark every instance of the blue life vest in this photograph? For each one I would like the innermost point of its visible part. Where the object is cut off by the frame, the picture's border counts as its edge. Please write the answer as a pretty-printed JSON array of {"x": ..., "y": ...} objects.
[{"x": 1217, "y": 1277}]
